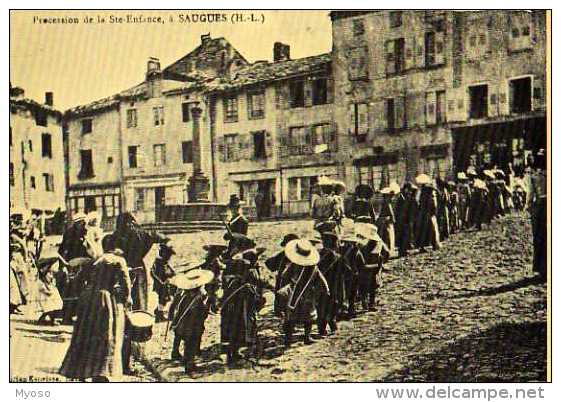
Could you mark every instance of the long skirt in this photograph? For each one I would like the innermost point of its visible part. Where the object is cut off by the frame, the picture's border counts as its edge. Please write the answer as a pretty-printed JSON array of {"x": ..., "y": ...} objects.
[
  {"x": 539, "y": 229},
  {"x": 139, "y": 291},
  {"x": 238, "y": 325},
  {"x": 97, "y": 340},
  {"x": 444, "y": 223}
]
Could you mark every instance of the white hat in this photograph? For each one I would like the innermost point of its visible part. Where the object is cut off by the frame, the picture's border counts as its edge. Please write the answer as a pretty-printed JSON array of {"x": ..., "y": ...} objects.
[
  {"x": 489, "y": 174},
  {"x": 368, "y": 231},
  {"x": 325, "y": 181},
  {"x": 423, "y": 179},
  {"x": 302, "y": 252},
  {"x": 462, "y": 176},
  {"x": 79, "y": 216},
  {"x": 93, "y": 215},
  {"x": 192, "y": 279},
  {"x": 394, "y": 187},
  {"x": 386, "y": 190}
]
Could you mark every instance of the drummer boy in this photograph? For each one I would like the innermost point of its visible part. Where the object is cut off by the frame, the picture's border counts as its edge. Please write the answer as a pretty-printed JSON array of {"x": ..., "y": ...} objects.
[{"x": 188, "y": 313}]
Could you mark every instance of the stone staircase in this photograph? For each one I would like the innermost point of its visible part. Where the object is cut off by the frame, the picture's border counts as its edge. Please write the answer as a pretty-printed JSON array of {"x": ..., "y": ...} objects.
[{"x": 183, "y": 226}]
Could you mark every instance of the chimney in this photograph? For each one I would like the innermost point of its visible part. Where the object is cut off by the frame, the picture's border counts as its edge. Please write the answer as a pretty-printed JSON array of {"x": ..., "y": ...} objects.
[
  {"x": 153, "y": 66},
  {"x": 281, "y": 52},
  {"x": 205, "y": 38},
  {"x": 49, "y": 98}
]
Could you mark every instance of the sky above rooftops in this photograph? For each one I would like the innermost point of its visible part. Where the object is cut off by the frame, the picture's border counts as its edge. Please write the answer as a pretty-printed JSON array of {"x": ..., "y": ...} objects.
[{"x": 84, "y": 62}]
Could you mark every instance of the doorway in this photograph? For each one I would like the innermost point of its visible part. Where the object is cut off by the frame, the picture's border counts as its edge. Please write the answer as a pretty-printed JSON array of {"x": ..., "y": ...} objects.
[{"x": 159, "y": 201}]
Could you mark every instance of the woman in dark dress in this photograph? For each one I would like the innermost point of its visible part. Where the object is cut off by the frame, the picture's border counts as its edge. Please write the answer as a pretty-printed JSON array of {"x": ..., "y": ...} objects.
[
  {"x": 405, "y": 213},
  {"x": 427, "y": 226},
  {"x": 97, "y": 339}
]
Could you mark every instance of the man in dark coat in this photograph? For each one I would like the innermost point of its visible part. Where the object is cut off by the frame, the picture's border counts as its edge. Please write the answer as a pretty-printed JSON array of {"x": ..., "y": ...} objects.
[
  {"x": 428, "y": 233},
  {"x": 405, "y": 213},
  {"x": 238, "y": 223},
  {"x": 135, "y": 244},
  {"x": 278, "y": 263}
]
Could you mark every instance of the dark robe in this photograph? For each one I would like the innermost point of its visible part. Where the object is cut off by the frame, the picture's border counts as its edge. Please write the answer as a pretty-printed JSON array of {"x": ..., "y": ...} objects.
[
  {"x": 444, "y": 213},
  {"x": 278, "y": 264},
  {"x": 188, "y": 313},
  {"x": 478, "y": 207},
  {"x": 454, "y": 212},
  {"x": 239, "y": 224},
  {"x": 427, "y": 226},
  {"x": 362, "y": 210},
  {"x": 385, "y": 224},
  {"x": 135, "y": 245},
  {"x": 72, "y": 245},
  {"x": 240, "y": 303},
  {"x": 333, "y": 269},
  {"x": 464, "y": 202},
  {"x": 97, "y": 339},
  {"x": 405, "y": 213}
]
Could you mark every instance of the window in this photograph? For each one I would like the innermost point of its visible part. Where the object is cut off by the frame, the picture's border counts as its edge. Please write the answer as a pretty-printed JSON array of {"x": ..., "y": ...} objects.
[
  {"x": 133, "y": 156},
  {"x": 231, "y": 109},
  {"x": 440, "y": 107},
  {"x": 86, "y": 164},
  {"x": 86, "y": 126},
  {"x": 298, "y": 136},
  {"x": 131, "y": 118},
  {"x": 187, "y": 151},
  {"x": 185, "y": 112},
  {"x": 358, "y": 27},
  {"x": 306, "y": 185},
  {"x": 158, "y": 115},
  {"x": 48, "y": 179},
  {"x": 521, "y": 30},
  {"x": 139, "y": 194},
  {"x": 296, "y": 94},
  {"x": 395, "y": 56},
  {"x": 159, "y": 155},
  {"x": 358, "y": 63},
  {"x": 359, "y": 121},
  {"x": 32, "y": 182},
  {"x": 256, "y": 105},
  {"x": 46, "y": 146},
  {"x": 41, "y": 118},
  {"x": 230, "y": 147},
  {"x": 30, "y": 144},
  {"x": 478, "y": 101},
  {"x": 12, "y": 177},
  {"x": 259, "y": 145},
  {"x": 293, "y": 188},
  {"x": 435, "y": 107},
  {"x": 322, "y": 134},
  {"x": 434, "y": 47},
  {"x": 395, "y": 113},
  {"x": 319, "y": 91},
  {"x": 109, "y": 159},
  {"x": 429, "y": 49},
  {"x": 395, "y": 19},
  {"x": 520, "y": 91}
]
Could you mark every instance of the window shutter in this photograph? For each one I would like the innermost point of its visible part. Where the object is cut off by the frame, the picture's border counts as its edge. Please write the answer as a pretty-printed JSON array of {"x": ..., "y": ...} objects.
[
  {"x": 219, "y": 146},
  {"x": 308, "y": 93},
  {"x": 378, "y": 112},
  {"x": 439, "y": 48},
  {"x": 363, "y": 118},
  {"x": 420, "y": 50},
  {"x": 249, "y": 105},
  {"x": 409, "y": 53},
  {"x": 431, "y": 108},
  {"x": 352, "y": 119},
  {"x": 330, "y": 90},
  {"x": 411, "y": 111},
  {"x": 268, "y": 144},
  {"x": 400, "y": 112},
  {"x": 390, "y": 57}
]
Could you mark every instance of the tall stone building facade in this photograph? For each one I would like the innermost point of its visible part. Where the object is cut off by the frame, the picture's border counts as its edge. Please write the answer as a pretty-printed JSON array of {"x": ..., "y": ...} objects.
[
  {"x": 401, "y": 93},
  {"x": 435, "y": 91},
  {"x": 36, "y": 154}
]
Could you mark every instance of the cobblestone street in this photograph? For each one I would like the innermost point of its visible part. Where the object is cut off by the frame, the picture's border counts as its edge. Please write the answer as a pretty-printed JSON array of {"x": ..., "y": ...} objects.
[{"x": 472, "y": 311}]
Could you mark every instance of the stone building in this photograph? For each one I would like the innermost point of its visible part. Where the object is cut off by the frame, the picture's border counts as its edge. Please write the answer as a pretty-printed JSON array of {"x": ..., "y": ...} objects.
[
  {"x": 411, "y": 84},
  {"x": 274, "y": 132},
  {"x": 36, "y": 154}
]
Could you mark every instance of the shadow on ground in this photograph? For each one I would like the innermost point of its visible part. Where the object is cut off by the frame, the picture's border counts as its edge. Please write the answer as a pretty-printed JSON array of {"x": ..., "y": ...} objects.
[{"x": 503, "y": 353}]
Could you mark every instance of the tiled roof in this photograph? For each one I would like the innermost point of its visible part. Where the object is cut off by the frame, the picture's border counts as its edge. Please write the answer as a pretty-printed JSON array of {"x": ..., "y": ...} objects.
[
  {"x": 27, "y": 104},
  {"x": 263, "y": 72}
]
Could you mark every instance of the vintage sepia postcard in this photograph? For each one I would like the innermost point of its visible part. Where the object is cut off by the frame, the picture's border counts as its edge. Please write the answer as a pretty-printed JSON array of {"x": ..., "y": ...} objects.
[{"x": 280, "y": 196}]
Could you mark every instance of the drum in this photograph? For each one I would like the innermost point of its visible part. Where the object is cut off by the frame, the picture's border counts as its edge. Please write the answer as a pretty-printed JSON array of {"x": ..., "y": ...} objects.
[{"x": 139, "y": 325}]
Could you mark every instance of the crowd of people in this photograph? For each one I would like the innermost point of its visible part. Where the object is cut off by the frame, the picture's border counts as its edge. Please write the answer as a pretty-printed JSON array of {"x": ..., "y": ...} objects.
[{"x": 101, "y": 280}]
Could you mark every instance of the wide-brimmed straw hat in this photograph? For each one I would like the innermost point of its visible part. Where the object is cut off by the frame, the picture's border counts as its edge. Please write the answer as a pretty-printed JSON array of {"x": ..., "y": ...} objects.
[
  {"x": 462, "y": 176},
  {"x": 471, "y": 171},
  {"x": 394, "y": 187},
  {"x": 489, "y": 174},
  {"x": 499, "y": 174},
  {"x": 302, "y": 252},
  {"x": 478, "y": 183},
  {"x": 339, "y": 185},
  {"x": 367, "y": 231},
  {"x": 79, "y": 216},
  {"x": 192, "y": 279},
  {"x": 423, "y": 179},
  {"x": 386, "y": 190}
]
